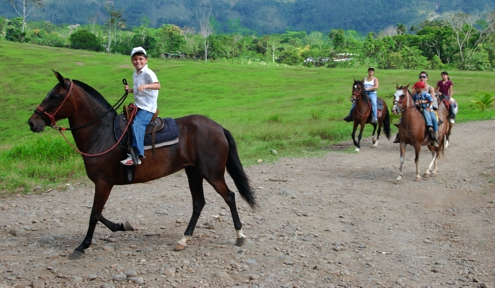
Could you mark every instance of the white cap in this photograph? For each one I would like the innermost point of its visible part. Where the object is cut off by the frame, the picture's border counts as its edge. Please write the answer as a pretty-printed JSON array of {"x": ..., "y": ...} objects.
[{"x": 138, "y": 49}]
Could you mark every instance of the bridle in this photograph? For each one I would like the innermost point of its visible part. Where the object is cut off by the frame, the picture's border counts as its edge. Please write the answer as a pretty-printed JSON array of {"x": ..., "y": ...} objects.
[
  {"x": 357, "y": 92},
  {"x": 400, "y": 102},
  {"x": 40, "y": 111}
]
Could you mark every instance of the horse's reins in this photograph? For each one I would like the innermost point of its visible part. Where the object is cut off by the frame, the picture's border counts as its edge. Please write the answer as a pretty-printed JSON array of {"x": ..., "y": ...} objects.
[
  {"x": 41, "y": 111},
  {"x": 357, "y": 97}
]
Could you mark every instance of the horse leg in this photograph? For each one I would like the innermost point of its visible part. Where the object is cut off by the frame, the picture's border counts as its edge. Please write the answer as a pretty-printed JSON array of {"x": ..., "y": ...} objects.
[
  {"x": 196, "y": 187},
  {"x": 402, "y": 147},
  {"x": 102, "y": 191},
  {"x": 417, "y": 150},
  {"x": 447, "y": 137},
  {"x": 432, "y": 163},
  {"x": 353, "y": 135},
  {"x": 373, "y": 138},
  {"x": 360, "y": 135},
  {"x": 229, "y": 198}
]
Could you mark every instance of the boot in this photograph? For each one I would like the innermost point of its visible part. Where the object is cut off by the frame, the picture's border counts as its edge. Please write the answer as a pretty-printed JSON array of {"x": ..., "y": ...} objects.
[
  {"x": 348, "y": 118},
  {"x": 373, "y": 120},
  {"x": 434, "y": 140},
  {"x": 397, "y": 140}
]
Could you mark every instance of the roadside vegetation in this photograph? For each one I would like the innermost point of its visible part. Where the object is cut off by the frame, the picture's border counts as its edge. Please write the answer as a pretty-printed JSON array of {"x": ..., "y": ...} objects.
[
  {"x": 453, "y": 41},
  {"x": 294, "y": 110}
]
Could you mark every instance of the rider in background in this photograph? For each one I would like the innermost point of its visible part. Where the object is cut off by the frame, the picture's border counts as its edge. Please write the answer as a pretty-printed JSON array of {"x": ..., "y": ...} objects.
[
  {"x": 424, "y": 101},
  {"x": 444, "y": 87},
  {"x": 370, "y": 83}
]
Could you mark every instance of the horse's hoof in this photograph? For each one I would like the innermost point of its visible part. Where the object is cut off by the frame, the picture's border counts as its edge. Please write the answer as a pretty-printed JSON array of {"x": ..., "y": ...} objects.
[
  {"x": 179, "y": 247},
  {"x": 426, "y": 175},
  {"x": 240, "y": 241},
  {"x": 76, "y": 255},
  {"x": 433, "y": 174},
  {"x": 357, "y": 150},
  {"x": 128, "y": 227},
  {"x": 417, "y": 179}
]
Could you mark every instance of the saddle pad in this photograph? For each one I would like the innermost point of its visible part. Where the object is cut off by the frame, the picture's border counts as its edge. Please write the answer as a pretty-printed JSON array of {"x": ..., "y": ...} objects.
[
  {"x": 379, "y": 104},
  {"x": 168, "y": 135}
]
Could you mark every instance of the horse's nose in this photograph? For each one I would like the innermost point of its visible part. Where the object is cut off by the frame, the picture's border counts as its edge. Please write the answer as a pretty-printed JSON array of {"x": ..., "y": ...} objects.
[{"x": 33, "y": 127}]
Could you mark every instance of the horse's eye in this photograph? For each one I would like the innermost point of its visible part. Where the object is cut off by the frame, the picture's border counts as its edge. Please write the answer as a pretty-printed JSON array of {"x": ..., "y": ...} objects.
[{"x": 53, "y": 96}]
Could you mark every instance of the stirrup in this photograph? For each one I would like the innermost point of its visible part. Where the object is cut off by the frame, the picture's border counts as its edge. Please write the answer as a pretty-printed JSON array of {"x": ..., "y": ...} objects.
[
  {"x": 129, "y": 161},
  {"x": 397, "y": 140}
]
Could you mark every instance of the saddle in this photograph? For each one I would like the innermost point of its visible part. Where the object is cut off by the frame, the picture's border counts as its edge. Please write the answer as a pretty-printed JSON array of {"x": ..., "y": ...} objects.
[
  {"x": 379, "y": 107},
  {"x": 160, "y": 132},
  {"x": 445, "y": 101}
]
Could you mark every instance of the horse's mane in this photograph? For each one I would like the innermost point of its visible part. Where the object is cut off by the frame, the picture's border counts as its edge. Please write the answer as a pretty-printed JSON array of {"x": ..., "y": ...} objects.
[
  {"x": 364, "y": 96},
  {"x": 93, "y": 93},
  {"x": 402, "y": 87}
]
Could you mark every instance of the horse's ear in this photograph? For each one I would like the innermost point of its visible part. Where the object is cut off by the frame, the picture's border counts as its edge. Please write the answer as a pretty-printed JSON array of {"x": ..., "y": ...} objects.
[
  {"x": 60, "y": 78},
  {"x": 407, "y": 86},
  {"x": 354, "y": 80},
  {"x": 397, "y": 86}
]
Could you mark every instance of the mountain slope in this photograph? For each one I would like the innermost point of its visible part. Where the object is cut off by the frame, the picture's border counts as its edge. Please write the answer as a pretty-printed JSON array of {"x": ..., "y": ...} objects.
[{"x": 260, "y": 16}]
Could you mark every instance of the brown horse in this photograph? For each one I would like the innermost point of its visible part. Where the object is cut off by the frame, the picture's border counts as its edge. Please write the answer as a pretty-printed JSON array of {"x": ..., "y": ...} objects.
[
  {"x": 362, "y": 115},
  {"x": 412, "y": 131},
  {"x": 205, "y": 150}
]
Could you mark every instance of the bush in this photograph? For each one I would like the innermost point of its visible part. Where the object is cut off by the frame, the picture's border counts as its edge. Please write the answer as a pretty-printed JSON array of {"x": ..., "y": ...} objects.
[{"x": 83, "y": 39}]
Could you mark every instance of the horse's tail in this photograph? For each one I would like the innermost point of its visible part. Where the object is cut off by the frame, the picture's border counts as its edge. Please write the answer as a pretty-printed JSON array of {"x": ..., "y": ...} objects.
[
  {"x": 235, "y": 170},
  {"x": 386, "y": 124}
]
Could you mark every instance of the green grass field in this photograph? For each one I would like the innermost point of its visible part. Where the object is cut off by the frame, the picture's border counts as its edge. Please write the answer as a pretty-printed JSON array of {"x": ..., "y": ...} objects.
[{"x": 294, "y": 110}]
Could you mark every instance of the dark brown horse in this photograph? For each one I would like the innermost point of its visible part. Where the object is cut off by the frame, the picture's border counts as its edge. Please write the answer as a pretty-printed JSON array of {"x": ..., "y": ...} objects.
[
  {"x": 412, "y": 131},
  {"x": 205, "y": 150},
  {"x": 362, "y": 115}
]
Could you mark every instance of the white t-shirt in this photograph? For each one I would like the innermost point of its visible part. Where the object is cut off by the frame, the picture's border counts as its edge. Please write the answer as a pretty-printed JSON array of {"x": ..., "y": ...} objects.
[
  {"x": 147, "y": 99},
  {"x": 368, "y": 84}
]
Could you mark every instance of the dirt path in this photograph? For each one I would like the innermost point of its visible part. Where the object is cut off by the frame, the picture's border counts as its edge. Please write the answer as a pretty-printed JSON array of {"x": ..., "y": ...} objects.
[{"x": 336, "y": 221}]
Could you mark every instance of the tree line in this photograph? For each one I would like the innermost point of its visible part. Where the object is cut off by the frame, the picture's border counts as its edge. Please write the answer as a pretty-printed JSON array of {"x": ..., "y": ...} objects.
[{"x": 465, "y": 42}]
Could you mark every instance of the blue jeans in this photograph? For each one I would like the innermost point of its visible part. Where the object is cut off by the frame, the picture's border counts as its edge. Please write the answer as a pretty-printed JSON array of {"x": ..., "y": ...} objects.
[
  {"x": 373, "y": 97},
  {"x": 428, "y": 117},
  {"x": 138, "y": 128},
  {"x": 434, "y": 121}
]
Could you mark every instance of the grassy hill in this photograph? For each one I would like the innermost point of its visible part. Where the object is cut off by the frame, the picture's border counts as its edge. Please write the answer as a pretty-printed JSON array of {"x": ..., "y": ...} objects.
[{"x": 293, "y": 110}]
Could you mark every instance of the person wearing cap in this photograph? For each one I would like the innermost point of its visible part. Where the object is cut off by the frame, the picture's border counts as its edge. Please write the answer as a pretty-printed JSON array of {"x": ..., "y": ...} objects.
[
  {"x": 424, "y": 100},
  {"x": 145, "y": 90},
  {"x": 444, "y": 87},
  {"x": 370, "y": 83},
  {"x": 423, "y": 77}
]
